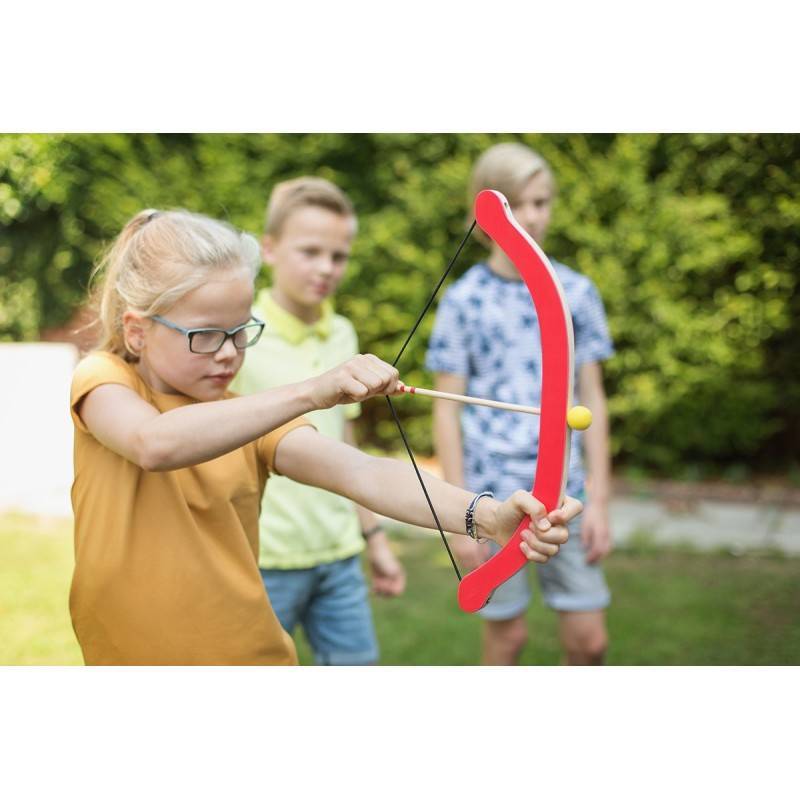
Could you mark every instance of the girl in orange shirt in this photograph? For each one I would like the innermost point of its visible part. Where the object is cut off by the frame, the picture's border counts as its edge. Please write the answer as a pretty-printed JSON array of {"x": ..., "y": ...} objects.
[{"x": 170, "y": 467}]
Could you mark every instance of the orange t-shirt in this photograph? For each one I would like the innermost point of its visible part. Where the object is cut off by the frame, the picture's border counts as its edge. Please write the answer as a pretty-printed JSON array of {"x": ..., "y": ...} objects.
[{"x": 166, "y": 563}]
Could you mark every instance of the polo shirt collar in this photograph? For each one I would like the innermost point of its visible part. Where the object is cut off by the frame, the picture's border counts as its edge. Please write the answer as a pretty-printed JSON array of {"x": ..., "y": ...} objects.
[{"x": 288, "y": 326}]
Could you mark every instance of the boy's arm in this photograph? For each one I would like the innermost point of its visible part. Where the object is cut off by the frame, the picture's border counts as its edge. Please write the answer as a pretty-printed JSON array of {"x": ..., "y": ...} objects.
[
  {"x": 388, "y": 575},
  {"x": 389, "y": 487},
  {"x": 595, "y": 530},
  {"x": 447, "y": 427}
]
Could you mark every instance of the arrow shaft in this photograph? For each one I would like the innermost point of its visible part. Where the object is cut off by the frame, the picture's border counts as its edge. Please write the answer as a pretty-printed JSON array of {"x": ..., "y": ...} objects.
[{"x": 475, "y": 401}]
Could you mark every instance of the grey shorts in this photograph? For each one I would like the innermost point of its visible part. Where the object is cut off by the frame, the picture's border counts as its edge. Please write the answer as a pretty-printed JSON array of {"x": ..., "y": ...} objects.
[{"x": 567, "y": 582}]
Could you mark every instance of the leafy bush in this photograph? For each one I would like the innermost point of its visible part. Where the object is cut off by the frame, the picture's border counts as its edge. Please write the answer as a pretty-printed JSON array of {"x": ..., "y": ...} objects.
[{"x": 690, "y": 239}]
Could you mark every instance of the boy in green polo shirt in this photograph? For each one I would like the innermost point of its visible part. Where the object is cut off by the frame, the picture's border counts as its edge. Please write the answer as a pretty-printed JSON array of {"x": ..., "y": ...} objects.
[{"x": 310, "y": 539}]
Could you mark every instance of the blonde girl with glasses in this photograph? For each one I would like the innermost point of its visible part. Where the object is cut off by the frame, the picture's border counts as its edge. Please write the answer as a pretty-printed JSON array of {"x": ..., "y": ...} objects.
[{"x": 170, "y": 466}]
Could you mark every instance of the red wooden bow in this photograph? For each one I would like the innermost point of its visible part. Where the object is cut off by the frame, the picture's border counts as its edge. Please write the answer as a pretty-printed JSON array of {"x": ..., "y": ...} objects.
[{"x": 494, "y": 216}]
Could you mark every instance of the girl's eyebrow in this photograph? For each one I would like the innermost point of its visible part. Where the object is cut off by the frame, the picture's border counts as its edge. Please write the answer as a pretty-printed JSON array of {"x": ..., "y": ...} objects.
[{"x": 217, "y": 327}]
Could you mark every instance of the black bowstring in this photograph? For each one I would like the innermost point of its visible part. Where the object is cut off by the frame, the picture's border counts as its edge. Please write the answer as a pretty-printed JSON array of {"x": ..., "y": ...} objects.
[
  {"x": 433, "y": 295},
  {"x": 394, "y": 412}
]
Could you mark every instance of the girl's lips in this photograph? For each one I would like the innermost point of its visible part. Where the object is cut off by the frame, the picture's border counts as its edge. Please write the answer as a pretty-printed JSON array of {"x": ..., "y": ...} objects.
[{"x": 221, "y": 377}]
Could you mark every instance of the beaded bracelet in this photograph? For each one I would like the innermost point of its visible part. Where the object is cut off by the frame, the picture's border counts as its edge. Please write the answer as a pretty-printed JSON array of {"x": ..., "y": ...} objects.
[{"x": 469, "y": 517}]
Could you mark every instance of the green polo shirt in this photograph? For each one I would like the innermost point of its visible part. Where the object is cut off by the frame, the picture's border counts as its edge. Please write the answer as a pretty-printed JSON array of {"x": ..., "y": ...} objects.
[{"x": 302, "y": 526}]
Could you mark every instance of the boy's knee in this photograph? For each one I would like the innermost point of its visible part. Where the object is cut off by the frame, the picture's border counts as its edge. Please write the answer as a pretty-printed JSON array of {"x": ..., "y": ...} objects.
[
  {"x": 587, "y": 647},
  {"x": 511, "y": 635},
  {"x": 595, "y": 646}
]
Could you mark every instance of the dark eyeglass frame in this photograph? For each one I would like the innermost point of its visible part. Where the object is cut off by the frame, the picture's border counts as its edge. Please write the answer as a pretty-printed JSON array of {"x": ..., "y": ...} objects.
[{"x": 190, "y": 333}]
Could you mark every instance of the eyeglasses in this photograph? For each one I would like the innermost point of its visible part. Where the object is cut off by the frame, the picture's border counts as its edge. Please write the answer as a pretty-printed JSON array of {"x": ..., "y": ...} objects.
[{"x": 205, "y": 341}]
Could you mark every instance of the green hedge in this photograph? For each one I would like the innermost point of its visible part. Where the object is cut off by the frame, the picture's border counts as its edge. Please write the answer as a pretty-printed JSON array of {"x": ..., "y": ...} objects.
[{"x": 691, "y": 240}]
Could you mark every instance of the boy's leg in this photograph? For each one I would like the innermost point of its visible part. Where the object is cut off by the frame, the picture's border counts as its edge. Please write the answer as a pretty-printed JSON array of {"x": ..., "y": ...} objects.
[
  {"x": 503, "y": 641},
  {"x": 578, "y": 592},
  {"x": 338, "y": 621},
  {"x": 289, "y": 592},
  {"x": 583, "y": 637},
  {"x": 505, "y": 632}
]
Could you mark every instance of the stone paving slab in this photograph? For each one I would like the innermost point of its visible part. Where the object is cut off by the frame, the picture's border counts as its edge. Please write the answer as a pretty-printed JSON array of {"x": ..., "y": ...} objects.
[
  {"x": 708, "y": 525},
  {"x": 705, "y": 525}
]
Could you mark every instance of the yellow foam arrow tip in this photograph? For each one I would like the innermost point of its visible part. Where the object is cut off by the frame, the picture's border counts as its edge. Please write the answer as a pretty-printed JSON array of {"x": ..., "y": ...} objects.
[{"x": 579, "y": 418}]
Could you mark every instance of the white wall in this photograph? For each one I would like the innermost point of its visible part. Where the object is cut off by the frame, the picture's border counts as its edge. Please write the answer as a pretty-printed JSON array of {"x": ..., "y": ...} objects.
[{"x": 35, "y": 427}]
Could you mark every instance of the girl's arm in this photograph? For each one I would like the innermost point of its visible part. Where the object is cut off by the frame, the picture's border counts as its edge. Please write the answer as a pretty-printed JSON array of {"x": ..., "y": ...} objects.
[
  {"x": 125, "y": 423},
  {"x": 366, "y": 518},
  {"x": 450, "y": 452},
  {"x": 390, "y": 488},
  {"x": 388, "y": 575}
]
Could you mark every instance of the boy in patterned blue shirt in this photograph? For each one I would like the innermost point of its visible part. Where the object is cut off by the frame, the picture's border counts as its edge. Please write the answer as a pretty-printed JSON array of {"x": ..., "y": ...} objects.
[{"x": 477, "y": 348}]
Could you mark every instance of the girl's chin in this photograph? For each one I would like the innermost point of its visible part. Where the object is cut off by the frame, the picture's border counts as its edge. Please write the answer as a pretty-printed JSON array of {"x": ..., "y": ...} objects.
[{"x": 207, "y": 393}]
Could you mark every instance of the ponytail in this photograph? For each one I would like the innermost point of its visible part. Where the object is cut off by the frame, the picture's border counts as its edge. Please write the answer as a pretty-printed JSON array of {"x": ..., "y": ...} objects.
[{"x": 158, "y": 257}]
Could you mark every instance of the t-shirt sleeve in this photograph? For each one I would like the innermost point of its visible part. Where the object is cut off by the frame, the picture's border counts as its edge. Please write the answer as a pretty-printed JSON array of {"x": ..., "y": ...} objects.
[
  {"x": 93, "y": 371},
  {"x": 268, "y": 444},
  {"x": 448, "y": 348},
  {"x": 592, "y": 338}
]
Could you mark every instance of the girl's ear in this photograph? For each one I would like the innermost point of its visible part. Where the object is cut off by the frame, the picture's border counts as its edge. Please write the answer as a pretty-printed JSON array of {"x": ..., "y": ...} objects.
[{"x": 134, "y": 326}]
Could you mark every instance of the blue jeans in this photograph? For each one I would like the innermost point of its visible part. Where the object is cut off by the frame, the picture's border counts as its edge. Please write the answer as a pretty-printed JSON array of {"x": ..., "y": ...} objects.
[{"x": 331, "y": 603}]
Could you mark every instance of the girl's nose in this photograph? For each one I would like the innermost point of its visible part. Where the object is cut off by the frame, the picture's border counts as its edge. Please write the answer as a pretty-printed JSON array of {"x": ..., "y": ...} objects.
[{"x": 227, "y": 351}]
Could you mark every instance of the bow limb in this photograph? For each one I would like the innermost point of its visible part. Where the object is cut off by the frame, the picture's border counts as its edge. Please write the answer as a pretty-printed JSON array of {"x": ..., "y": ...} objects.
[{"x": 493, "y": 215}]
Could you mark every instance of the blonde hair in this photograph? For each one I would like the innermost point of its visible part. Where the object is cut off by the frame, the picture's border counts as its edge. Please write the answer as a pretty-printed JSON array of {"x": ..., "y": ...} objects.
[
  {"x": 302, "y": 192},
  {"x": 507, "y": 168},
  {"x": 159, "y": 257}
]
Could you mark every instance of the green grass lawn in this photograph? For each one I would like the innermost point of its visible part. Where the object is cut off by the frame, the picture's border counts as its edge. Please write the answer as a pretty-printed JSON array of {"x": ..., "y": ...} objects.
[
  {"x": 670, "y": 606},
  {"x": 35, "y": 572}
]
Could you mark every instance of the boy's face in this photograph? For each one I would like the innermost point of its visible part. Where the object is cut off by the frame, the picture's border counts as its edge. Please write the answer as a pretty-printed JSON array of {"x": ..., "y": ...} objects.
[
  {"x": 533, "y": 206},
  {"x": 309, "y": 255}
]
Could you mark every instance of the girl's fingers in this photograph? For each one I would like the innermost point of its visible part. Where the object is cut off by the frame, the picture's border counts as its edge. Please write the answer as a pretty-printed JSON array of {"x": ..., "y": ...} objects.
[
  {"x": 383, "y": 366},
  {"x": 533, "y": 555},
  {"x": 558, "y": 534},
  {"x": 363, "y": 371},
  {"x": 529, "y": 505},
  {"x": 369, "y": 382},
  {"x": 544, "y": 547},
  {"x": 571, "y": 508},
  {"x": 376, "y": 375},
  {"x": 352, "y": 387}
]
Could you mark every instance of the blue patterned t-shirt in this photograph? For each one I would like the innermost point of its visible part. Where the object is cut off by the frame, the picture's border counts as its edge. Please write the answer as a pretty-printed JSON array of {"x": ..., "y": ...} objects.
[{"x": 487, "y": 330}]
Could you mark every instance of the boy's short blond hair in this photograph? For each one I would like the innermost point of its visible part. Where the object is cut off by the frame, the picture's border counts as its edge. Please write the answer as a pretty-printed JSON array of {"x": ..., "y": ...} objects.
[
  {"x": 507, "y": 167},
  {"x": 288, "y": 196}
]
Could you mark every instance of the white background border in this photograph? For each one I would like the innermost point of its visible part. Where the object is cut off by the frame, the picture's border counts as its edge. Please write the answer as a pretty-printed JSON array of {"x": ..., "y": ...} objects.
[{"x": 399, "y": 732}]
